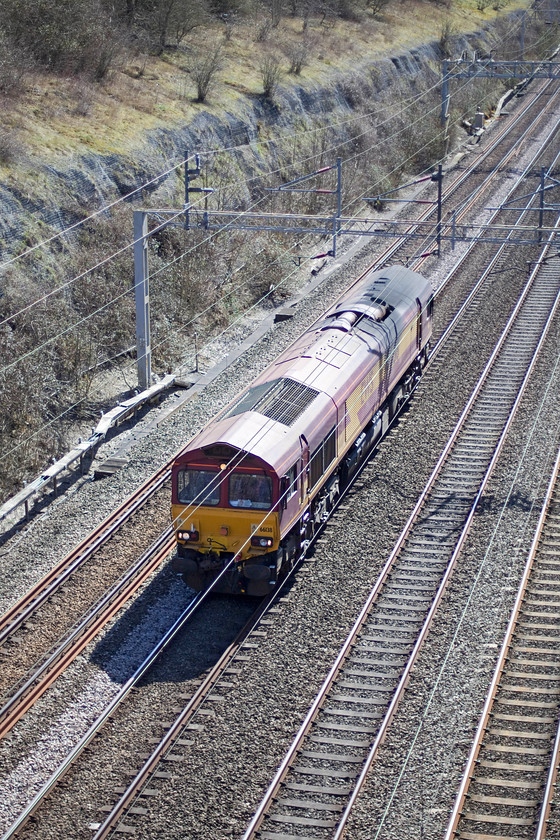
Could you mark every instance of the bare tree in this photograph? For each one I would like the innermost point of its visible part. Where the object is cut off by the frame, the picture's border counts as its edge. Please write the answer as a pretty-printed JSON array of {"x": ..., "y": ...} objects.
[
  {"x": 14, "y": 65},
  {"x": 377, "y": 6},
  {"x": 71, "y": 36},
  {"x": 204, "y": 70},
  {"x": 172, "y": 20},
  {"x": 298, "y": 54},
  {"x": 275, "y": 9},
  {"x": 271, "y": 73},
  {"x": 232, "y": 7}
]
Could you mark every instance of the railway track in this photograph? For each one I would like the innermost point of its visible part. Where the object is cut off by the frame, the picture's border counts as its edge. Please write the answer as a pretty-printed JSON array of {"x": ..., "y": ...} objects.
[
  {"x": 174, "y": 738},
  {"x": 15, "y": 619},
  {"x": 459, "y": 198},
  {"x": 328, "y": 761},
  {"x": 510, "y": 776},
  {"x": 30, "y": 613},
  {"x": 124, "y": 691},
  {"x": 502, "y": 259},
  {"x": 344, "y": 729},
  {"x": 26, "y": 694},
  {"x": 212, "y": 688},
  {"x": 509, "y": 213}
]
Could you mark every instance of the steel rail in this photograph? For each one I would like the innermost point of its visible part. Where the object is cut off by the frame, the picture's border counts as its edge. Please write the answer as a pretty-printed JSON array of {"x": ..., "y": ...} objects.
[
  {"x": 514, "y": 151},
  {"x": 278, "y": 779},
  {"x": 20, "y": 612},
  {"x": 477, "y": 741},
  {"x": 149, "y": 766},
  {"x": 406, "y": 675},
  {"x": 103, "y": 532},
  {"x": 550, "y": 786},
  {"x": 500, "y": 665},
  {"x": 189, "y": 710},
  {"x": 495, "y": 259},
  {"x": 28, "y": 694},
  {"x": 106, "y": 714}
]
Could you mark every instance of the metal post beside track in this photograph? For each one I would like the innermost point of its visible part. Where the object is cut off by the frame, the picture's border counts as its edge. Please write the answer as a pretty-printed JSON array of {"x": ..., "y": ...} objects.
[{"x": 142, "y": 299}]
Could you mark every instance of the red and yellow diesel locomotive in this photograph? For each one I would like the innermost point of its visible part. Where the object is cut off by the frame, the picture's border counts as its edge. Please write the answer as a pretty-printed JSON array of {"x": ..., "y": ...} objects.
[{"x": 256, "y": 482}]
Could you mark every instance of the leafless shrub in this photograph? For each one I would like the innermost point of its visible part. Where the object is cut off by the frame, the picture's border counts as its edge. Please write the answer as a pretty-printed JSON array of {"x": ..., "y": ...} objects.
[
  {"x": 377, "y": 6},
  {"x": 271, "y": 73},
  {"x": 298, "y": 55},
  {"x": 204, "y": 70},
  {"x": 10, "y": 146},
  {"x": 275, "y": 9},
  {"x": 83, "y": 96},
  {"x": 447, "y": 39},
  {"x": 263, "y": 31},
  {"x": 14, "y": 65},
  {"x": 230, "y": 20},
  {"x": 107, "y": 55}
]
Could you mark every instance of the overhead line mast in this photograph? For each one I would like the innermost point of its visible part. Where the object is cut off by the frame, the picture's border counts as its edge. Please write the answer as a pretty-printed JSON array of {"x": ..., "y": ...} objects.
[{"x": 334, "y": 225}]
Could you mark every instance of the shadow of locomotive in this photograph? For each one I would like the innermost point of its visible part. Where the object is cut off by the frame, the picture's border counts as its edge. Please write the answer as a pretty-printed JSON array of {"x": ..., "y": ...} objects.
[{"x": 141, "y": 625}]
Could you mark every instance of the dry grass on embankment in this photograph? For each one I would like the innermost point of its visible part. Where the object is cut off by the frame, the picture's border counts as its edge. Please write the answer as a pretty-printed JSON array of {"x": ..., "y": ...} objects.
[
  {"x": 57, "y": 116},
  {"x": 57, "y": 119}
]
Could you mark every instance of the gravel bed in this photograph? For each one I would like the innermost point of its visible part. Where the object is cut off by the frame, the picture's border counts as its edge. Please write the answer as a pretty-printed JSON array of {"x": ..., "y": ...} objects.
[
  {"x": 127, "y": 736},
  {"x": 499, "y": 191},
  {"x": 435, "y": 724},
  {"x": 83, "y": 691},
  {"x": 81, "y": 592},
  {"x": 272, "y": 694},
  {"x": 71, "y": 517},
  {"x": 231, "y": 762}
]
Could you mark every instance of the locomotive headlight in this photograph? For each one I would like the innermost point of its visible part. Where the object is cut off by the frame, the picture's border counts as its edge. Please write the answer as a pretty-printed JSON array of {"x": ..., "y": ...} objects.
[
  {"x": 188, "y": 536},
  {"x": 261, "y": 542}
]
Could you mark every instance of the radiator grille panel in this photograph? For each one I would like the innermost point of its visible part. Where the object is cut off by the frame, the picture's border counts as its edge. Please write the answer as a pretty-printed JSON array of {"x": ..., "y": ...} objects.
[{"x": 283, "y": 400}]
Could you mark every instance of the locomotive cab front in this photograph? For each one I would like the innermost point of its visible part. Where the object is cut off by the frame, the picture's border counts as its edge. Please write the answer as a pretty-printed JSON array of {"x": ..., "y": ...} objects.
[{"x": 224, "y": 509}]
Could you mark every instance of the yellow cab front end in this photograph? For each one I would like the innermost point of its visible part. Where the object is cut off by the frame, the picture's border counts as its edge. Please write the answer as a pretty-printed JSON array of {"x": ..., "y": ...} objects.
[{"x": 226, "y": 522}]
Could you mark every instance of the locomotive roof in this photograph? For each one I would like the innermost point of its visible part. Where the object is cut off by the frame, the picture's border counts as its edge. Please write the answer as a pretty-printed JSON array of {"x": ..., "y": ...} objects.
[
  {"x": 298, "y": 394},
  {"x": 267, "y": 438},
  {"x": 396, "y": 287}
]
